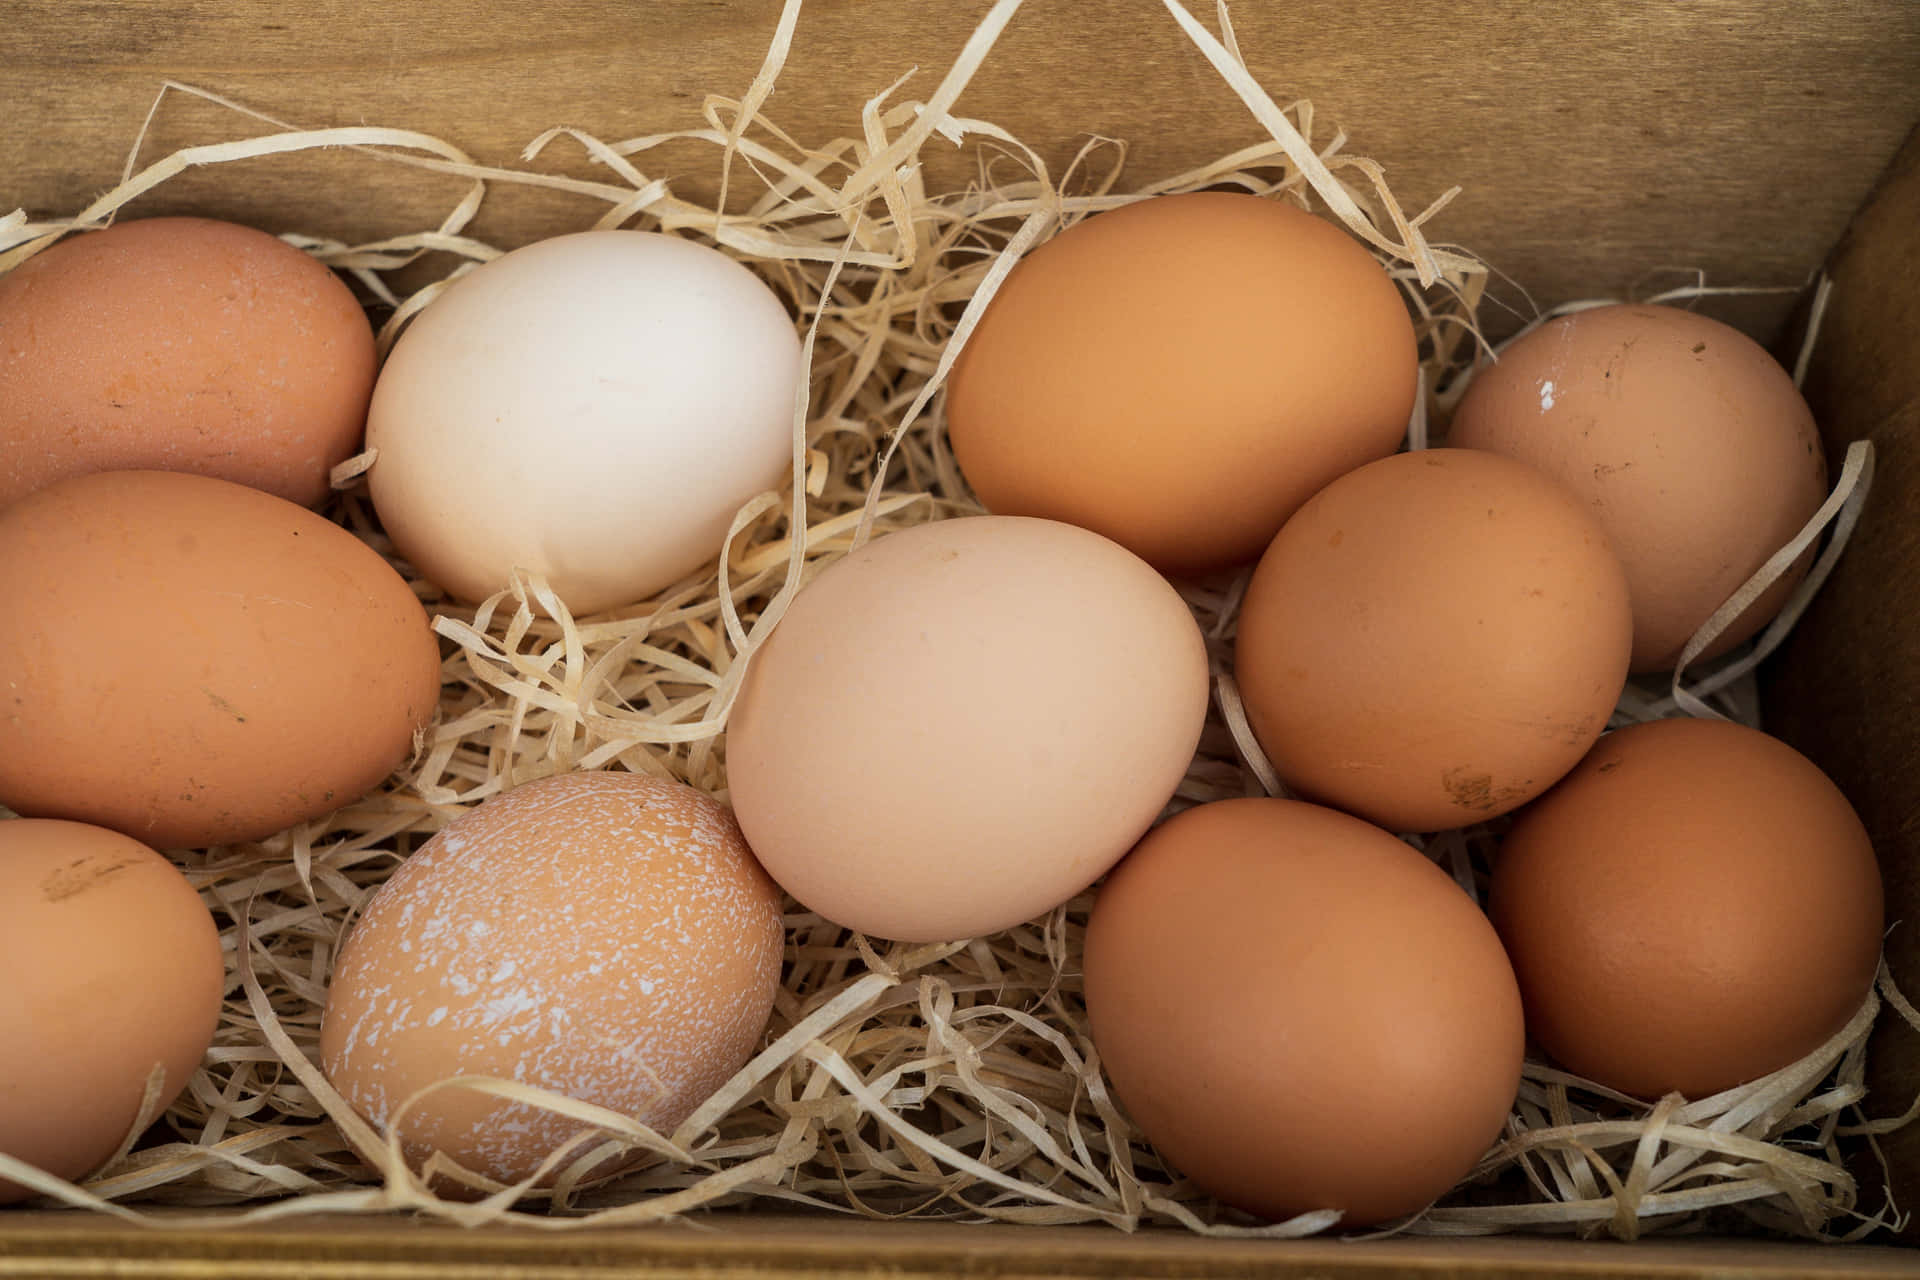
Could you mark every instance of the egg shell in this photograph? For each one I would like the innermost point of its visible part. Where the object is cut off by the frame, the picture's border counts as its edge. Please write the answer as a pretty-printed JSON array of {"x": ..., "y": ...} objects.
[
  {"x": 1689, "y": 442},
  {"x": 961, "y": 725},
  {"x": 1695, "y": 906},
  {"x": 180, "y": 344},
  {"x": 593, "y": 408},
  {"x": 1181, "y": 373},
  {"x": 1301, "y": 1012},
  {"x": 1434, "y": 639},
  {"x": 203, "y": 662},
  {"x": 606, "y": 936},
  {"x": 113, "y": 967}
]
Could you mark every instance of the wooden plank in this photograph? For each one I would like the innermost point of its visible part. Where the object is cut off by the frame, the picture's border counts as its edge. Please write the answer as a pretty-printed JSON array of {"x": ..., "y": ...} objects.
[
  {"x": 1846, "y": 688},
  {"x": 748, "y": 1245},
  {"x": 1601, "y": 148}
]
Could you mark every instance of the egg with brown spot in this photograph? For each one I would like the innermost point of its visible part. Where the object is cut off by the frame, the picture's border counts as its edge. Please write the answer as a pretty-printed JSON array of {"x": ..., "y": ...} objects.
[
  {"x": 113, "y": 968},
  {"x": 1433, "y": 639},
  {"x": 606, "y": 936},
  {"x": 1686, "y": 439}
]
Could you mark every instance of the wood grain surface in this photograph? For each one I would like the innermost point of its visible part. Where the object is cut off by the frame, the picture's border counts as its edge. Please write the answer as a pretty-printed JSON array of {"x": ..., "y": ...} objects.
[
  {"x": 757, "y": 1245},
  {"x": 1603, "y": 149},
  {"x": 1846, "y": 687}
]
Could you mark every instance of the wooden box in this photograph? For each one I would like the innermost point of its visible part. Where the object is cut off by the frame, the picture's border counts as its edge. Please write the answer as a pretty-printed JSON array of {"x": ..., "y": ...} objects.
[{"x": 1598, "y": 147}]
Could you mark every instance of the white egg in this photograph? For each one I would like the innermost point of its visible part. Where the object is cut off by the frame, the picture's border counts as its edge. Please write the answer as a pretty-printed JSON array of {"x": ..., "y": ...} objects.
[{"x": 593, "y": 408}]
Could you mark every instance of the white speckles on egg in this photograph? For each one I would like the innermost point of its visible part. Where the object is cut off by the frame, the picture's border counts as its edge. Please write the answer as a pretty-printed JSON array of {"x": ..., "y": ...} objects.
[{"x": 604, "y": 935}]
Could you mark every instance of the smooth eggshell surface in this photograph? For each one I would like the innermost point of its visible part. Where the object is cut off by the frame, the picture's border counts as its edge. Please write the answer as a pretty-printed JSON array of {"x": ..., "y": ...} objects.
[
  {"x": 113, "y": 967},
  {"x": 1301, "y": 1012},
  {"x": 1689, "y": 443},
  {"x": 960, "y": 726},
  {"x": 1433, "y": 640},
  {"x": 1695, "y": 906},
  {"x": 180, "y": 344},
  {"x": 1181, "y": 373},
  {"x": 593, "y": 408},
  {"x": 203, "y": 663},
  {"x": 605, "y": 936}
]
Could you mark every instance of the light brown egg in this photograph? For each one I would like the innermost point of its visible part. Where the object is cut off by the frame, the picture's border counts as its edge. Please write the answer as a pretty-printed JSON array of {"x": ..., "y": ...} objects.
[
  {"x": 605, "y": 936},
  {"x": 962, "y": 725},
  {"x": 1433, "y": 640},
  {"x": 112, "y": 967},
  {"x": 180, "y": 344},
  {"x": 1301, "y": 1012},
  {"x": 1695, "y": 906},
  {"x": 1180, "y": 374},
  {"x": 1688, "y": 442},
  {"x": 202, "y": 662}
]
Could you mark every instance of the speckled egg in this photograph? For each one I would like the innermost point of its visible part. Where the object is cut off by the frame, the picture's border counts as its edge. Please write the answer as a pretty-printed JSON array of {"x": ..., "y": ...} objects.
[
  {"x": 1684, "y": 438},
  {"x": 606, "y": 936},
  {"x": 180, "y": 344}
]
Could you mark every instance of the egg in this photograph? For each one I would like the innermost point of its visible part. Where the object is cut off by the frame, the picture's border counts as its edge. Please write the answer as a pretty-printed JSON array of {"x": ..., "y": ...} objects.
[
  {"x": 1180, "y": 374},
  {"x": 180, "y": 344},
  {"x": 113, "y": 968},
  {"x": 1433, "y": 639},
  {"x": 1301, "y": 1012},
  {"x": 962, "y": 725},
  {"x": 1695, "y": 906},
  {"x": 593, "y": 408},
  {"x": 202, "y": 663},
  {"x": 606, "y": 936},
  {"x": 1687, "y": 441}
]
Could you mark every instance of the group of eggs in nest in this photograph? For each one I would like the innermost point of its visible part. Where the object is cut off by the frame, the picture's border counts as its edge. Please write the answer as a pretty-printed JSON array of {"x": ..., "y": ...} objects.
[{"x": 1170, "y": 391}]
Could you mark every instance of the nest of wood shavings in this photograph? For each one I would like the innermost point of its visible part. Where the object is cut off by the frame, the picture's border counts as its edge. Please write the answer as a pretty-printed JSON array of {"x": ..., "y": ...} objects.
[{"x": 937, "y": 1081}]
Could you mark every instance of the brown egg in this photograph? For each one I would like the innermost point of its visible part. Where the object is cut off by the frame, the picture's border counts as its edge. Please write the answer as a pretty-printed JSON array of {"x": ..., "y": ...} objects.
[
  {"x": 202, "y": 662},
  {"x": 1688, "y": 442},
  {"x": 962, "y": 725},
  {"x": 1433, "y": 640},
  {"x": 113, "y": 967},
  {"x": 180, "y": 344},
  {"x": 1695, "y": 906},
  {"x": 1179, "y": 374},
  {"x": 606, "y": 936},
  {"x": 1301, "y": 1012}
]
